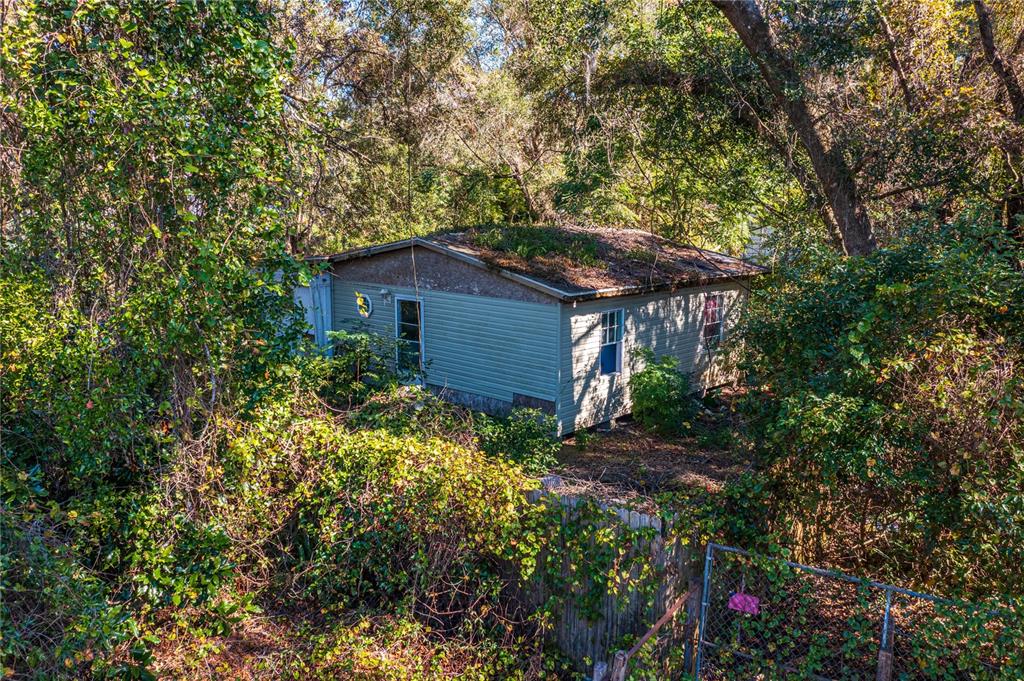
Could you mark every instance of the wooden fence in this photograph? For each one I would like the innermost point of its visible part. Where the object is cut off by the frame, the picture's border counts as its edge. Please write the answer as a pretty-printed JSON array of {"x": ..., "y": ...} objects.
[
  {"x": 676, "y": 563},
  {"x": 824, "y": 611}
]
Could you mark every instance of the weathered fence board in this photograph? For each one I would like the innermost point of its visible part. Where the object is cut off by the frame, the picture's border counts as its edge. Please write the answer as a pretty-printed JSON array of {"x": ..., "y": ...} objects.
[{"x": 587, "y": 640}]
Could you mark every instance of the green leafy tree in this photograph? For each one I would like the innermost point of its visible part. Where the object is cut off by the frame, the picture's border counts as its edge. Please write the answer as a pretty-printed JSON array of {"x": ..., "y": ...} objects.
[
  {"x": 144, "y": 288},
  {"x": 400, "y": 121},
  {"x": 889, "y": 409},
  {"x": 837, "y": 123}
]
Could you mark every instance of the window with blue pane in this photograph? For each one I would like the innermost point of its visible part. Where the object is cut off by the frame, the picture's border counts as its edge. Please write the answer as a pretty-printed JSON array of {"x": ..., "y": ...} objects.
[{"x": 610, "y": 359}]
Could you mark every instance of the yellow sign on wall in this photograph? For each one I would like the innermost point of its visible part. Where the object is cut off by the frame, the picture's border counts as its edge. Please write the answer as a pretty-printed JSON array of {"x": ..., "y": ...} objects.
[{"x": 363, "y": 304}]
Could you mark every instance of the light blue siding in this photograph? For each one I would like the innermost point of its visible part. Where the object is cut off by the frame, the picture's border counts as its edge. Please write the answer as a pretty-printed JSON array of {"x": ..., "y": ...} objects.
[
  {"x": 498, "y": 347},
  {"x": 493, "y": 347},
  {"x": 346, "y": 318},
  {"x": 668, "y": 324}
]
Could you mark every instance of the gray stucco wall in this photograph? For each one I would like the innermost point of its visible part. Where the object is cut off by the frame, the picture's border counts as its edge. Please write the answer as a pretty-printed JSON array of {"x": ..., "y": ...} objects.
[
  {"x": 666, "y": 323},
  {"x": 490, "y": 351}
]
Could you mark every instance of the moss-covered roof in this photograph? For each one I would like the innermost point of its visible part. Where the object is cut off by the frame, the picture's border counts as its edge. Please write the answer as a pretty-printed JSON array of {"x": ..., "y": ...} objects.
[{"x": 581, "y": 262}]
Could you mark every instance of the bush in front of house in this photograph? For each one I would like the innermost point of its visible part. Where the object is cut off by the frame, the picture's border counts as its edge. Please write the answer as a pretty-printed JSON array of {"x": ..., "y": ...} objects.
[
  {"x": 380, "y": 521},
  {"x": 661, "y": 395},
  {"x": 527, "y": 437},
  {"x": 362, "y": 365},
  {"x": 412, "y": 410}
]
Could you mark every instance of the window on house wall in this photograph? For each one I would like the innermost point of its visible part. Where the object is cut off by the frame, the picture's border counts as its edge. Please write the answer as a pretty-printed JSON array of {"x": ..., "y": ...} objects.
[
  {"x": 611, "y": 342},
  {"x": 409, "y": 335},
  {"x": 714, "y": 319}
]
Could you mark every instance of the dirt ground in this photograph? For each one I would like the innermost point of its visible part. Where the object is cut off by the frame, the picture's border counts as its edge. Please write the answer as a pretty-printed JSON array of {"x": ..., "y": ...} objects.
[{"x": 631, "y": 466}]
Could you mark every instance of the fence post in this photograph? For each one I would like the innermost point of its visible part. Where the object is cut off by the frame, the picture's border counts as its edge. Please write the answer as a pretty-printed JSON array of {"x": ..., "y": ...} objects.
[
  {"x": 704, "y": 599},
  {"x": 885, "y": 650},
  {"x": 690, "y": 627},
  {"x": 618, "y": 670}
]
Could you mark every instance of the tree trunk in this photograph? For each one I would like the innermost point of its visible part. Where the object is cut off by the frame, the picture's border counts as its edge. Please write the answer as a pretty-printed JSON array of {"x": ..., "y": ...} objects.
[
  {"x": 830, "y": 168},
  {"x": 1003, "y": 69},
  {"x": 524, "y": 188}
]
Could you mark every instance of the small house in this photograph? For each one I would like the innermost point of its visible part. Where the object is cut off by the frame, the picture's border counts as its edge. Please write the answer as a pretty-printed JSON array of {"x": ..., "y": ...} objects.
[{"x": 540, "y": 317}]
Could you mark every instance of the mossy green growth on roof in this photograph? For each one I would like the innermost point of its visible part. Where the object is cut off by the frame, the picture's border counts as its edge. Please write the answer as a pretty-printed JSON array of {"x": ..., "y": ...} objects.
[
  {"x": 581, "y": 260},
  {"x": 530, "y": 242},
  {"x": 578, "y": 261}
]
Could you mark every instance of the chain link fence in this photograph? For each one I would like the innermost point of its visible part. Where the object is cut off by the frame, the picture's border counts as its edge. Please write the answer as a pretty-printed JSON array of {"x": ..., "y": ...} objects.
[{"x": 765, "y": 618}]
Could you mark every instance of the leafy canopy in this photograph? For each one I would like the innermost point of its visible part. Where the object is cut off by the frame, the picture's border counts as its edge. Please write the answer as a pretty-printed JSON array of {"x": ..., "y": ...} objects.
[{"x": 889, "y": 406}]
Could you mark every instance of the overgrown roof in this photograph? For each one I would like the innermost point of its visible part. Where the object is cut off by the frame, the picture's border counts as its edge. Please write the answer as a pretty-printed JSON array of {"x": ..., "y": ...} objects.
[{"x": 577, "y": 263}]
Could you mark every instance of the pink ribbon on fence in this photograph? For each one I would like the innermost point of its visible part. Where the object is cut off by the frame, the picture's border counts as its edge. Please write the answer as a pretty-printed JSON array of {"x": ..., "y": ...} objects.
[{"x": 742, "y": 602}]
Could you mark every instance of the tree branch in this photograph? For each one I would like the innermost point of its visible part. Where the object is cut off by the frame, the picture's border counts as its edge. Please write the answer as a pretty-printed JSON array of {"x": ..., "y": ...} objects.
[
  {"x": 897, "y": 65},
  {"x": 1002, "y": 68},
  {"x": 831, "y": 169}
]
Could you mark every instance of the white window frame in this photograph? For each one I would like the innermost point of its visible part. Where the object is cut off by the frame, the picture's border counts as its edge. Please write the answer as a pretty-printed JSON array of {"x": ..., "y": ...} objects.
[
  {"x": 620, "y": 312},
  {"x": 398, "y": 327},
  {"x": 720, "y": 295}
]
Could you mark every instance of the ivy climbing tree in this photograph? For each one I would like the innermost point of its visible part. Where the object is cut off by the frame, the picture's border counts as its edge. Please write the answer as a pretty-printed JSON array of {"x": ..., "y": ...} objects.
[
  {"x": 140, "y": 192},
  {"x": 143, "y": 288}
]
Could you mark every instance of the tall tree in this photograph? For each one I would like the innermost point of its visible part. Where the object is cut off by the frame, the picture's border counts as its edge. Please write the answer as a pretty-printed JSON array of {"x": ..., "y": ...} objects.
[
  {"x": 144, "y": 294},
  {"x": 141, "y": 196},
  {"x": 849, "y": 122},
  {"x": 1013, "y": 145},
  {"x": 644, "y": 121},
  {"x": 400, "y": 120},
  {"x": 784, "y": 81}
]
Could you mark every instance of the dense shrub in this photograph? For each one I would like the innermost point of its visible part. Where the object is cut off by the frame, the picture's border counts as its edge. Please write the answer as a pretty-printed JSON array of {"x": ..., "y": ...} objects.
[
  {"x": 395, "y": 648},
  {"x": 362, "y": 364},
  {"x": 393, "y": 519},
  {"x": 144, "y": 288},
  {"x": 661, "y": 395},
  {"x": 373, "y": 521},
  {"x": 526, "y": 437},
  {"x": 410, "y": 410},
  {"x": 889, "y": 408}
]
